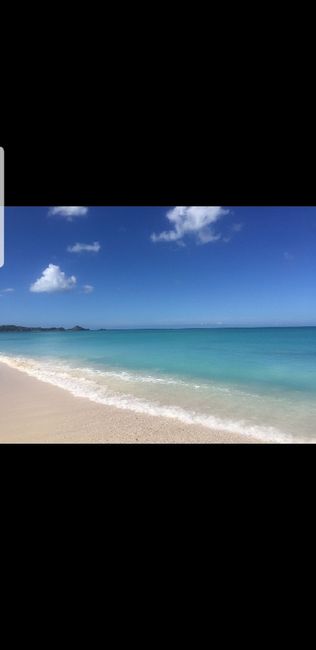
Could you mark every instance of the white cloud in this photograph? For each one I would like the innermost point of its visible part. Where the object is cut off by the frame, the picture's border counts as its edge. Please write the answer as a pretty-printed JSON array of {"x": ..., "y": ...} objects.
[
  {"x": 206, "y": 235},
  {"x": 8, "y": 290},
  {"x": 87, "y": 288},
  {"x": 79, "y": 248},
  {"x": 237, "y": 227},
  {"x": 70, "y": 212},
  {"x": 52, "y": 280},
  {"x": 192, "y": 220}
]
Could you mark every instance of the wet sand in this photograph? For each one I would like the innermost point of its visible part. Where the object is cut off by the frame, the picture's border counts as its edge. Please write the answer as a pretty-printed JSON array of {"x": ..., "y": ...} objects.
[{"x": 32, "y": 411}]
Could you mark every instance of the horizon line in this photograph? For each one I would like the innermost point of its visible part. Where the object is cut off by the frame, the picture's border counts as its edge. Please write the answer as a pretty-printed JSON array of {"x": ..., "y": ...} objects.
[{"x": 159, "y": 327}]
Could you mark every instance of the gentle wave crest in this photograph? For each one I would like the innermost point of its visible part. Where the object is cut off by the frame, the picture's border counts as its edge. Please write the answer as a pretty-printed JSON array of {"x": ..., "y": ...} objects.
[
  {"x": 142, "y": 379},
  {"x": 82, "y": 382}
]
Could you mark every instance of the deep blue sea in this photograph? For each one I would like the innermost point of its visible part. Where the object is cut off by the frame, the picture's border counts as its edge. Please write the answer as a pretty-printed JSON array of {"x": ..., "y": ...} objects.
[{"x": 259, "y": 381}]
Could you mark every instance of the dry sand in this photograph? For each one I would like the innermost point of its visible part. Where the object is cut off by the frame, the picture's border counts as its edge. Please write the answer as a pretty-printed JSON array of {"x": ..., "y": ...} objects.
[{"x": 32, "y": 411}]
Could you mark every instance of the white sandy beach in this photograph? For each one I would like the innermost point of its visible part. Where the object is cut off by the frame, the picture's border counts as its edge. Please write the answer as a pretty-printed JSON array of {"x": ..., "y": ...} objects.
[{"x": 32, "y": 411}]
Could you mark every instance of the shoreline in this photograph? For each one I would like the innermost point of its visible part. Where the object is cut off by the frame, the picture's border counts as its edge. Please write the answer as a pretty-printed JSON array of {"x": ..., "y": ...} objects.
[{"x": 33, "y": 411}]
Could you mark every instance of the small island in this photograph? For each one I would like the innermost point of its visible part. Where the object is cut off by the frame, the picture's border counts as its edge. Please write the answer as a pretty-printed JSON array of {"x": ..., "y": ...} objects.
[{"x": 21, "y": 328}]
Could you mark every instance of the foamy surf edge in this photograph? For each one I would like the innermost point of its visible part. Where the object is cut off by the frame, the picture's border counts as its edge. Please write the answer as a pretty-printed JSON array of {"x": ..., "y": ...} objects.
[{"x": 62, "y": 377}]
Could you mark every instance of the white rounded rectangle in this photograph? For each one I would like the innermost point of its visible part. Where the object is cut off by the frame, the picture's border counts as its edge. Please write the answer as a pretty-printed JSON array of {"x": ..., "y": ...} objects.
[{"x": 1, "y": 206}]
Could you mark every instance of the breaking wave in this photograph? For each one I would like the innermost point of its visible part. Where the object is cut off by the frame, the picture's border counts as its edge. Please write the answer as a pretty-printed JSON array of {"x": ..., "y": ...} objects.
[{"x": 83, "y": 382}]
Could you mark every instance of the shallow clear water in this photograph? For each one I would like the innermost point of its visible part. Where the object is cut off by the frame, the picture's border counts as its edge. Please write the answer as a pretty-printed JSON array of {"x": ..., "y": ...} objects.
[{"x": 258, "y": 381}]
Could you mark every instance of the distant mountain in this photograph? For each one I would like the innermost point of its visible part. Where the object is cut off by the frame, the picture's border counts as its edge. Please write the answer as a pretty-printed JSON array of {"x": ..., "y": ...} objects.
[
  {"x": 20, "y": 328},
  {"x": 77, "y": 328}
]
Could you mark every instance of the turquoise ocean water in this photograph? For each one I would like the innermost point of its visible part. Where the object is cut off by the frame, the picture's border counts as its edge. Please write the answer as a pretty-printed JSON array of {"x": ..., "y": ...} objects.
[{"x": 259, "y": 381}]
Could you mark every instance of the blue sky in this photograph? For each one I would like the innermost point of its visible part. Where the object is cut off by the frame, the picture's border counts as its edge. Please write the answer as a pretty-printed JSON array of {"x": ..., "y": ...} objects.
[{"x": 159, "y": 266}]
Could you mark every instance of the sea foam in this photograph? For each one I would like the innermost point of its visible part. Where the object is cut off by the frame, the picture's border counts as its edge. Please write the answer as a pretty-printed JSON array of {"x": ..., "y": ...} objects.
[{"x": 82, "y": 382}]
